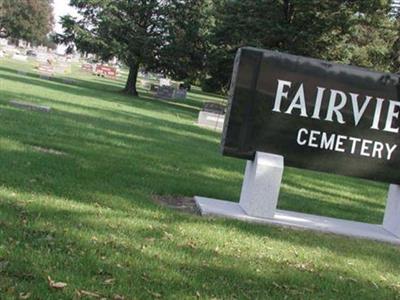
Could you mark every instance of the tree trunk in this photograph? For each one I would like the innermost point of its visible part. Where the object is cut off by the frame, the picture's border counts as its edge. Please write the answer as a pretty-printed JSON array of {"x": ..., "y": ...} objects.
[
  {"x": 288, "y": 10},
  {"x": 130, "y": 87}
]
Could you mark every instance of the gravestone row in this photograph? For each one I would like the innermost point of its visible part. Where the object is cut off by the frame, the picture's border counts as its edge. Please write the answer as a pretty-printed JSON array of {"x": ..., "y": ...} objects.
[
  {"x": 100, "y": 70},
  {"x": 46, "y": 71},
  {"x": 168, "y": 92}
]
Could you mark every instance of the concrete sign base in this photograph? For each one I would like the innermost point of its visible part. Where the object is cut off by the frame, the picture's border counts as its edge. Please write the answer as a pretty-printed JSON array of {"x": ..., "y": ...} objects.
[
  {"x": 259, "y": 199},
  {"x": 391, "y": 221},
  {"x": 231, "y": 210},
  {"x": 261, "y": 185}
]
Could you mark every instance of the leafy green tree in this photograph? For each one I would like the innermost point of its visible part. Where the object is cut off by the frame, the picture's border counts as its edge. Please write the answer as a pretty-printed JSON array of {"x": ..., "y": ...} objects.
[
  {"x": 139, "y": 33},
  {"x": 363, "y": 35},
  {"x": 395, "y": 67},
  {"x": 185, "y": 49},
  {"x": 30, "y": 20},
  {"x": 358, "y": 32}
]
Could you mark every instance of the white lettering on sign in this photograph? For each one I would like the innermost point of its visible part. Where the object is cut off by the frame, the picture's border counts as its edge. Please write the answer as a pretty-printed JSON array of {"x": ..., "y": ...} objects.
[
  {"x": 335, "y": 107},
  {"x": 391, "y": 116},
  {"x": 280, "y": 94},
  {"x": 318, "y": 102},
  {"x": 298, "y": 102},
  {"x": 345, "y": 144},
  {"x": 337, "y": 101},
  {"x": 358, "y": 111}
]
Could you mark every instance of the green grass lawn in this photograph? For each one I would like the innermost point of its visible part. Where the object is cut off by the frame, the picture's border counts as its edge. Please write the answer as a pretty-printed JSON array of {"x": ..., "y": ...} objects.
[{"x": 83, "y": 214}]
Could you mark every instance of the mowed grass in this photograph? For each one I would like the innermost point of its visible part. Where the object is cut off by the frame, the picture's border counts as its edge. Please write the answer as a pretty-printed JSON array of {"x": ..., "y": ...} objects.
[{"x": 82, "y": 212}]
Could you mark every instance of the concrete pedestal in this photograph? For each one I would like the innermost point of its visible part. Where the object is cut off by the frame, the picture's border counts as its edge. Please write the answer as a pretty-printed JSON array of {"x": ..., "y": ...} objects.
[
  {"x": 391, "y": 221},
  {"x": 261, "y": 185},
  {"x": 259, "y": 197},
  {"x": 232, "y": 210}
]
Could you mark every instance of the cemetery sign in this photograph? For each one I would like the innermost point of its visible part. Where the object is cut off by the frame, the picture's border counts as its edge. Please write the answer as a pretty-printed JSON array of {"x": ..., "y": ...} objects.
[{"x": 316, "y": 114}]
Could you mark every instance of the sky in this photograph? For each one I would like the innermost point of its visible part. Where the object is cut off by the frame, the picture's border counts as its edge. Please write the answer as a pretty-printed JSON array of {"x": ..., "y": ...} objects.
[{"x": 61, "y": 8}]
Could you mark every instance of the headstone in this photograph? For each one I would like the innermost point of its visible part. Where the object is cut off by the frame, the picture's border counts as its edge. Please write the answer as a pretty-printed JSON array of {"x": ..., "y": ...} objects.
[
  {"x": 212, "y": 116},
  {"x": 165, "y": 82},
  {"x": 46, "y": 71},
  {"x": 165, "y": 92},
  {"x": 87, "y": 68},
  {"x": 215, "y": 108},
  {"x": 211, "y": 120},
  {"x": 42, "y": 57},
  {"x": 145, "y": 84},
  {"x": 30, "y": 106},
  {"x": 62, "y": 68},
  {"x": 20, "y": 57},
  {"x": 106, "y": 71},
  {"x": 69, "y": 80},
  {"x": 185, "y": 86},
  {"x": 180, "y": 94},
  {"x": 154, "y": 88},
  {"x": 144, "y": 75}
]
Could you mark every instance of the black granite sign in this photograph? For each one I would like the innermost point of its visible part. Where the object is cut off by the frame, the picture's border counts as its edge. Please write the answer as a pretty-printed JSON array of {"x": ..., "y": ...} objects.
[{"x": 318, "y": 115}]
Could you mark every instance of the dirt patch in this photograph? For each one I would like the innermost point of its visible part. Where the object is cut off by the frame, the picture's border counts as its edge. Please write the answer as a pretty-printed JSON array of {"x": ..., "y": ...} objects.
[
  {"x": 49, "y": 151},
  {"x": 185, "y": 204}
]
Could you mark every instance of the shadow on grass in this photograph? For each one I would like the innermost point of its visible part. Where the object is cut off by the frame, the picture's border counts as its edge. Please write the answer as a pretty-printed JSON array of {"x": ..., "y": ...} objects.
[
  {"x": 336, "y": 196},
  {"x": 90, "y": 88},
  {"x": 135, "y": 147},
  {"x": 115, "y": 161},
  {"x": 172, "y": 267},
  {"x": 204, "y": 96},
  {"x": 165, "y": 152}
]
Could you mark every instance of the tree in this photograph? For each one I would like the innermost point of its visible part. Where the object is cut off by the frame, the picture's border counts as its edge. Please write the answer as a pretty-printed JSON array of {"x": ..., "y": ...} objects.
[
  {"x": 137, "y": 32},
  {"x": 359, "y": 32},
  {"x": 30, "y": 20},
  {"x": 185, "y": 49},
  {"x": 396, "y": 48},
  {"x": 365, "y": 39}
]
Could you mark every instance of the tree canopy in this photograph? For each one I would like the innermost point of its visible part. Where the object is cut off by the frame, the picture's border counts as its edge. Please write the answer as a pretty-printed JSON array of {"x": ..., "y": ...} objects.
[
  {"x": 139, "y": 33},
  {"x": 30, "y": 20},
  {"x": 353, "y": 32},
  {"x": 198, "y": 39},
  {"x": 185, "y": 49}
]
